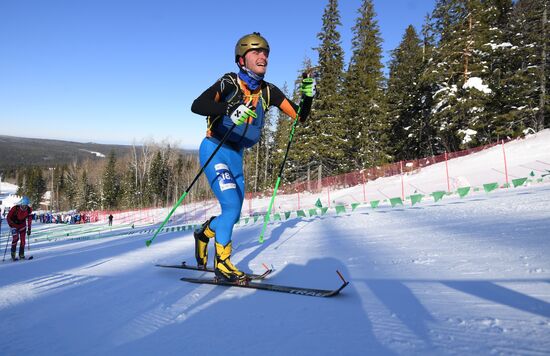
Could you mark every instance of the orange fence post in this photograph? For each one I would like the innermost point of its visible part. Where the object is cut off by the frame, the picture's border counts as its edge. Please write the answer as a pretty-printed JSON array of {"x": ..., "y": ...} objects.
[
  {"x": 505, "y": 164},
  {"x": 447, "y": 171},
  {"x": 402, "y": 182}
]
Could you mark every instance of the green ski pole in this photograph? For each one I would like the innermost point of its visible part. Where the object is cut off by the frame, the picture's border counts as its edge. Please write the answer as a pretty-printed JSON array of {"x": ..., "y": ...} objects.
[
  {"x": 266, "y": 217},
  {"x": 268, "y": 213},
  {"x": 148, "y": 242}
]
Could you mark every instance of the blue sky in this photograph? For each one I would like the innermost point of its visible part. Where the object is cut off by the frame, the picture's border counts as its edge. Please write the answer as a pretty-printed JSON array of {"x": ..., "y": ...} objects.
[{"x": 123, "y": 71}]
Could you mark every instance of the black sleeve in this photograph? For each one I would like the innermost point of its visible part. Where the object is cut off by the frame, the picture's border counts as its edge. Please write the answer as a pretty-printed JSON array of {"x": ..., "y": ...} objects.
[
  {"x": 305, "y": 107},
  {"x": 209, "y": 102}
]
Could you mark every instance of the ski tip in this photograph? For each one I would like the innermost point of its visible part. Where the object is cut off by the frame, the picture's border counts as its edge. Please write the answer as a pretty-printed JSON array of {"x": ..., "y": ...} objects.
[{"x": 342, "y": 277}]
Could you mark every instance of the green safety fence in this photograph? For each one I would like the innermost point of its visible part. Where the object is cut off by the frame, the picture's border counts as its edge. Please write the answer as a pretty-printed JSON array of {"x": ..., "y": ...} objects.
[
  {"x": 463, "y": 191},
  {"x": 416, "y": 198},
  {"x": 340, "y": 209},
  {"x": 65, "y": 232},
  {"x": 396, "y": 201},
  {"x": 489, "y": 187}
]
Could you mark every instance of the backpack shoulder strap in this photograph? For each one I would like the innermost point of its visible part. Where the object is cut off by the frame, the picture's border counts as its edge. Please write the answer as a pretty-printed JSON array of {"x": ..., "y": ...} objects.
[
  {"x": 228, "y": 84},
  {"x": 266, "y": 95},
  {"x": 230, "y": 79}
]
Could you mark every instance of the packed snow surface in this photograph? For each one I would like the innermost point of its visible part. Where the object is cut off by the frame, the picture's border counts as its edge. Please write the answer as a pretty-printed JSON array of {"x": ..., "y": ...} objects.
[{"x": 461, "y": 276}]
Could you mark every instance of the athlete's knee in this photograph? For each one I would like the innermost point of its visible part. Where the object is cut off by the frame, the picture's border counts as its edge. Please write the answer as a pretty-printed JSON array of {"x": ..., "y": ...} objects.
[
  {"x": 237, "y": 218},
  {"x": 232, "y": 214}
]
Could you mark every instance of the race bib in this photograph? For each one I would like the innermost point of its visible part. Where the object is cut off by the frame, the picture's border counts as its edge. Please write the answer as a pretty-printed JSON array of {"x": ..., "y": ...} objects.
[{"x": 225, "y": 179}]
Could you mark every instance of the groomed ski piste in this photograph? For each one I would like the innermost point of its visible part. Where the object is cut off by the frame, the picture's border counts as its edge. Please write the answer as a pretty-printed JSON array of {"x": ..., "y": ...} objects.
[{"x": 459, "y": 276}]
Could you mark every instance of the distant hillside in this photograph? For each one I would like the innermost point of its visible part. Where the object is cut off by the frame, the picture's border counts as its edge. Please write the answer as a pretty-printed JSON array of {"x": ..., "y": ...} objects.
[{"x": 20, "y": 151}]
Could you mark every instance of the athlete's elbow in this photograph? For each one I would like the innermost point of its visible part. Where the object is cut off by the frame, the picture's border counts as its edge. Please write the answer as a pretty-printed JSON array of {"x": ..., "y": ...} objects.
[{"x": 195, "y": 107}]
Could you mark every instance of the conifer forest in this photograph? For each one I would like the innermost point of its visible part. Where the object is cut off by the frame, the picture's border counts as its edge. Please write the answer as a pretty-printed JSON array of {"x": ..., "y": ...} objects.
[{"x": 477, "y": 72}]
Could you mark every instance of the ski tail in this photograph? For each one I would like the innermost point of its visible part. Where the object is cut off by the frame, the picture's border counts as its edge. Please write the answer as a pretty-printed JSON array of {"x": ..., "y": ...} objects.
[{"x": 310, "y": 292}]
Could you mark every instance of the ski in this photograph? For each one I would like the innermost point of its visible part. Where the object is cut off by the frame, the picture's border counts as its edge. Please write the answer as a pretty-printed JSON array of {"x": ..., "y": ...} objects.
[
  {"x": 22, "y": 259},
  {"x": 311, "y": 292},
  {"x": 211, "y": 270}
]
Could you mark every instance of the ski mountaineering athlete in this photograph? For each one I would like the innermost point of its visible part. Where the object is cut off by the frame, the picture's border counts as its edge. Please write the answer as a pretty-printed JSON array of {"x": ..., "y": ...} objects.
[
  {"x": 19, "y": 219},
  {"x": 239, "y": 99}
]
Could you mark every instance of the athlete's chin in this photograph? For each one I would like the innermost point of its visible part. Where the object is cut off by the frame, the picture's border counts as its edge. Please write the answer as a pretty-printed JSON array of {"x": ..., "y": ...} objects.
[{"x": 260, "y": 70}]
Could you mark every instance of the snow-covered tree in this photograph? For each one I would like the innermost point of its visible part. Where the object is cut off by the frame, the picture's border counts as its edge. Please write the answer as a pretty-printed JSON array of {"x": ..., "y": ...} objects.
[{"x": 365, "y": 112}]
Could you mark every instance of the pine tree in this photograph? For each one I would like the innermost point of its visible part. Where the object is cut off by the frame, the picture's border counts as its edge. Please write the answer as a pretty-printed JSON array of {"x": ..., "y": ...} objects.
[
  {"x": 71, "y": 185},
  {"x": 404, "y": 97},
  {"x": 58, "y": 185},
  {"x": 178, "y": 178},
  {"x": 110, "y": 184},
  {"x": 321, "y": 139},
  {"x": 461, "y": 72},
  {"x": 498, "y": 53},
  {"x": 33, "y": 185},
  {"x": 158, "y": 178},
  {"x": 129, "y": 189},
  {"x": 86, "y": 197},
  {"x": 428, "y": 145},
  {"x": 527, "y": 106},
  {"x": 366, "y": 120}
]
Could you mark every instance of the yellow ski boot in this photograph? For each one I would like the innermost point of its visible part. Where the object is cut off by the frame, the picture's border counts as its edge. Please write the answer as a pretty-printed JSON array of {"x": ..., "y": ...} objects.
[
  {"x": 226, "y": 270},
  {"x": 202, "y": 236}
]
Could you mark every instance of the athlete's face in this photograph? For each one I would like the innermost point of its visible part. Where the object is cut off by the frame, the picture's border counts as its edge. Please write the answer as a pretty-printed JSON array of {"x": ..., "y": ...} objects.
[{"x": 256, "y": 60}]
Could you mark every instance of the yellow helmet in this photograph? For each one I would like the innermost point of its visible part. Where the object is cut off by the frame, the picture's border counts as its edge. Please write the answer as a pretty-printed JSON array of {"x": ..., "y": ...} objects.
[{"x": 248, "y": 42}]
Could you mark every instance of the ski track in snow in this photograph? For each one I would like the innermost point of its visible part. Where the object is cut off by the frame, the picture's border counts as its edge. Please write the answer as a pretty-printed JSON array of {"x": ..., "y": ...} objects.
[
  {"x": 461, "y": 276},
  {"x": 454, "y": 277}
]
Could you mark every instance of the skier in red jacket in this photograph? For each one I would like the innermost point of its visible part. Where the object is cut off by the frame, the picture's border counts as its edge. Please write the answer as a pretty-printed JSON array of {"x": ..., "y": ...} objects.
[{"x": 19, "y": 219}]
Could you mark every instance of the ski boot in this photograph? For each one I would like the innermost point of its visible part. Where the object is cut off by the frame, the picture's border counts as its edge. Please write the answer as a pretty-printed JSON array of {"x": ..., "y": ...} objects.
[
  {"x": 13, "y": 256},
  {"x": 202, "y": 236},
  {"x": 224, "y": 269}
]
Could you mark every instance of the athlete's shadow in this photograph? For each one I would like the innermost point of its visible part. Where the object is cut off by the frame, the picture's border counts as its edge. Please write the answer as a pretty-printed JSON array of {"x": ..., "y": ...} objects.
[
  {"x": 252, "y": 322},
  {"x": 271, "y": 238}
]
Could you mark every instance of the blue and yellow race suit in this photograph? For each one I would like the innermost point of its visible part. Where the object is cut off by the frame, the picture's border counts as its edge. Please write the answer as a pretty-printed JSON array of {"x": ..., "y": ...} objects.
[{"x": 225, "y": 170}]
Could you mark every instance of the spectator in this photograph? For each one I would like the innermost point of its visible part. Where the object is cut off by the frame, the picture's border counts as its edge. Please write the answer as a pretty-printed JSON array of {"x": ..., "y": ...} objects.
[{"x": 20, "y": 219}]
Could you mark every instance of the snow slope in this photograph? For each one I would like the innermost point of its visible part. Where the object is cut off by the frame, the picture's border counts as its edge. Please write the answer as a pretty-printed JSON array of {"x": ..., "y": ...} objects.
[
  {"x": 523, "y": 158},
  {"x": 457, "y": 276}
]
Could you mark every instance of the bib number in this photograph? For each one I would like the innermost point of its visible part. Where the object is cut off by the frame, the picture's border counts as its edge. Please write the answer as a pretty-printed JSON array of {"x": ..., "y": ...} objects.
[{"x": 225, "y": 179}]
